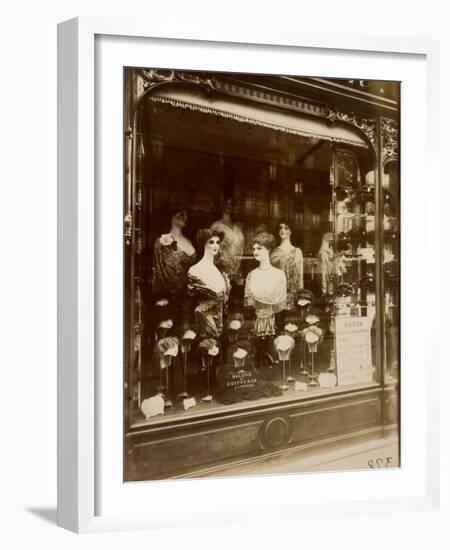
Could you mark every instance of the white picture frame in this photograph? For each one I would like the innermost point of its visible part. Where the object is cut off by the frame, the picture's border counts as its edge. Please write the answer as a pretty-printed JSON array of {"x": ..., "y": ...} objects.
[{"x": 79, "y": 455}]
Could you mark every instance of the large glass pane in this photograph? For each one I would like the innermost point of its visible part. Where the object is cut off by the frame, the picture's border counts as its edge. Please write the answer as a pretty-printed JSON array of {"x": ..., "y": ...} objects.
[
  {"x": 391, "y": 259},
  {"x": 349, "y": 279},
  {"x": 290, "y": 307}
]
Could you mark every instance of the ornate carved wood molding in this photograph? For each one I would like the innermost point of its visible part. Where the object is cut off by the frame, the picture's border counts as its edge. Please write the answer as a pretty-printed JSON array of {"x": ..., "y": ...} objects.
[
  {"x": 128, "y": 225},
  {"x": 389, "y": 132},
  {"x": 152, "y": 77},
  {"x": 157, "y": 76},
  {"x": 368, "y": 125},
  {"x": 365, "y": 124}
]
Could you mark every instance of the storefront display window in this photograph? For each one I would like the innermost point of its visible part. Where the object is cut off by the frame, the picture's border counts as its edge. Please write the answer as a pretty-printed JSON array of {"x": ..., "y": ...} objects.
[
  {"x": 257, "y": 260},
  {"x": 262, "y": 267}
]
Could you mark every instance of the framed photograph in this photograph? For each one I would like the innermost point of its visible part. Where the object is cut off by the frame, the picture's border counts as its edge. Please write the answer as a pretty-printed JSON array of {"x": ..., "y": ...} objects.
[{"x": 245, "y": 227}]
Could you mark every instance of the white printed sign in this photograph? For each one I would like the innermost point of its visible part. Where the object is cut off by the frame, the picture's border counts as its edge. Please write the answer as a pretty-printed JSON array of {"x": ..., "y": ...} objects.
[{"x": 353, "y": 350}]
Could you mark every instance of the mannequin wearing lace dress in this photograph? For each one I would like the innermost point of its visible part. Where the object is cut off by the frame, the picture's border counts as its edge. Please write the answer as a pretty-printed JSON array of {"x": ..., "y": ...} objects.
[
  {"x": 290, "y": 259},
  {"x": 332, "y": 267}
]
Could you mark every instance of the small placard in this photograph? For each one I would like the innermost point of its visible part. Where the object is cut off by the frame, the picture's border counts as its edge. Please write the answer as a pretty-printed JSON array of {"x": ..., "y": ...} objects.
[
  {"x": 237, "y": 379},
  {"x": 189, "y": 402},
  {"x": 231, "y": 380},
  {"x": 327, "y": 380},
  {"x": 152, "y": 406},
  {"x": 353, "y": 350},
  {"x": 368, "y": 254}
]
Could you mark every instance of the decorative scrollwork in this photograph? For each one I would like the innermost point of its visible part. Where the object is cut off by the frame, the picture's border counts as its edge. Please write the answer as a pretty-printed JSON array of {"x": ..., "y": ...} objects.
[
  {"x": 157, "y": 76},
  {"x": 365, "y": 124},
  {"x": 389, "y": 131},
  {"x": 128, "y": 224},
  {"x": 152, "y": 76},
  {"x": 358, "y": 83}
]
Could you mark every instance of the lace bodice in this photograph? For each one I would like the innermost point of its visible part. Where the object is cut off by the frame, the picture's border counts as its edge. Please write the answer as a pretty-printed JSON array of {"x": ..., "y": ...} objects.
[
  {"x": 291, "y": 262},
  {"x": 266, "y": 287}
]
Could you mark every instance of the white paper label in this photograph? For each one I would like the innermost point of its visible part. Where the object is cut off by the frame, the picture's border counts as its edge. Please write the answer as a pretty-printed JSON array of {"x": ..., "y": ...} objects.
[
  {"x": 152, "y": 406},
  {"x": 368, "y": 254},
  {"x": 189, "y": 402},
  {"x": 353, "y": 350},
  {"x": 327, "y": 380}
]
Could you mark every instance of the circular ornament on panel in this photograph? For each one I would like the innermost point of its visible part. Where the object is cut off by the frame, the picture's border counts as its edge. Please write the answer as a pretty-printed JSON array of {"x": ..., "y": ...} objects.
[{"x": 275, "y": 432}]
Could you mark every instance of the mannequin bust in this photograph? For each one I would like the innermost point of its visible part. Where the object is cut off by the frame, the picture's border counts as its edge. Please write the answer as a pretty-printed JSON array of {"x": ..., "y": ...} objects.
[
  {"x": 205, "y": 269},
  {"x": 331, "y": 265},
  {"x": 177, "y": 223},
  {"x": 232, "y": 244},
  {"x": 173, "y": 255},
  {"x": 209, "y": 286},
  {"x": 265, "y": 287},
  {"x": 290, "y": 259}
]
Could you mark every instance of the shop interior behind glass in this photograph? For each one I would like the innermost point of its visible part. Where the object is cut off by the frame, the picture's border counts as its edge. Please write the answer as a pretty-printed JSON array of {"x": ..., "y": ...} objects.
[{"x": 202, "y": 163}]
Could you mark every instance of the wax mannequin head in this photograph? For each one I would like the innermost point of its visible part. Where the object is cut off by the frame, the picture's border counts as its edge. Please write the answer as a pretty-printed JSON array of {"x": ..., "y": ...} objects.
[
  {"x": 287, "y": 233},
  {"x": 179, "y": 219},
  {"x": 327, "y": 240},
  {"x": 209, "y": 241},
  {"x": 284, "y": 231},
  {"x": 212, "y": 246},
  {"x": 227, "y": 205},
  {"x": 260, "y": 252},
  {"x": 263, "y": 243},
  {"x": 171, "y": 217}
]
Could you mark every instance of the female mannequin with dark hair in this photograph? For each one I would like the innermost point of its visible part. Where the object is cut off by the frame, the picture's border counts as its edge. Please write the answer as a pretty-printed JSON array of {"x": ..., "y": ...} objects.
[
  {"x": 209, "y": 286},
  {"x": 289, "y": 259},
  {"x": 173, "y": 256}
]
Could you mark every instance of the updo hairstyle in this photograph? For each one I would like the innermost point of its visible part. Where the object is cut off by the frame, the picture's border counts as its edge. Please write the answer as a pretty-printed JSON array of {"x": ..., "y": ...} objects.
[
  {"x": 265, "y": 239},
  {"x": 203, "y": 236}
]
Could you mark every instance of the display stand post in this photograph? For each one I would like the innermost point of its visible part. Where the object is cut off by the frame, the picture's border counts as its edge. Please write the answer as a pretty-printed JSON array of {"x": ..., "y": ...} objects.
[
  {"x": 166, "y": 362},
  {"x": 186, "y": 342},
  {"x": 284, "y": 386},
  {"x": 207, "y": 361},
  {"x": 312, "y": 375}
]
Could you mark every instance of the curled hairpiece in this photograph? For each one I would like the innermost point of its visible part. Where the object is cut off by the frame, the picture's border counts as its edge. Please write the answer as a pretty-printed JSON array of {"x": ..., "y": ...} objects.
[
  {"x": 167, "y": 210},
  {"x": 172, "y": 207},
  {"x": 284, "y": 221},
  {"x": 203, "y": 236},
  {"x": 295, "y": 233},
  {"x": 265, "y": 239}
]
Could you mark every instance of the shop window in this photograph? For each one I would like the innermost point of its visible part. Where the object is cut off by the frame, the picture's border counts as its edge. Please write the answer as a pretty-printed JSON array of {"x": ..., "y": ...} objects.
[
  {"x": 257, "y": 268},
  {"x": 391, "y": 270}
]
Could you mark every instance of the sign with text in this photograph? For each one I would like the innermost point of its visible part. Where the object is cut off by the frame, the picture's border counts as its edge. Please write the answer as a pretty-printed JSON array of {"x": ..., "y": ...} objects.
[
  {"x": 353, "y": 350},
  {"x": 237, "y": 379}
]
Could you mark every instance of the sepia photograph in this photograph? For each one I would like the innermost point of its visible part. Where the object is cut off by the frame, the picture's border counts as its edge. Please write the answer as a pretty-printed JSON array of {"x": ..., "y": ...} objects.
[{"x": 261, "y": 274}]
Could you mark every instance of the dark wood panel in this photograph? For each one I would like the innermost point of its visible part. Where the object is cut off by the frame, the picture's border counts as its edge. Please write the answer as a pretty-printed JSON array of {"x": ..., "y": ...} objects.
[
  {"x": 158, "y": 452},
  {"x": 164, "y": 457},
  {"x": 391, "y": 406},
  {"x": 335, "y": 419}
]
